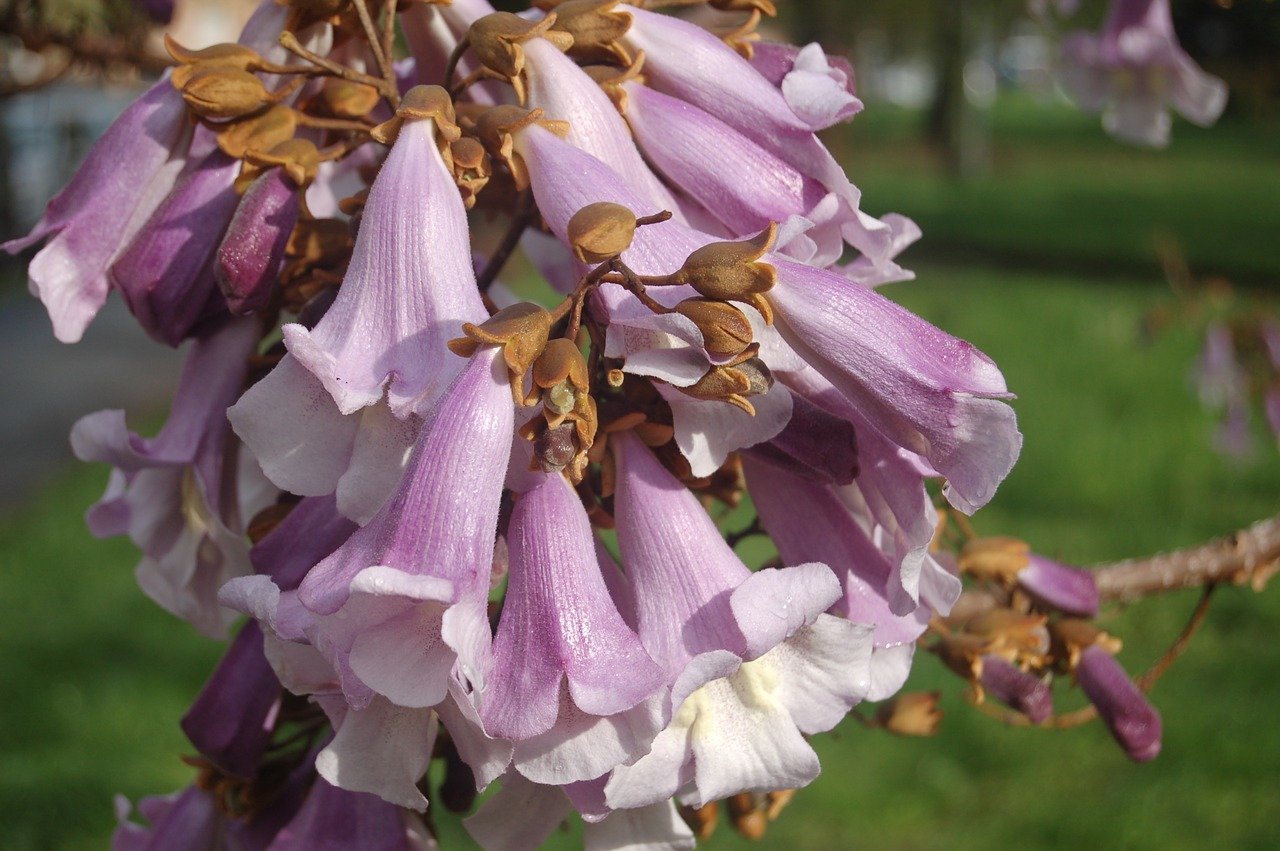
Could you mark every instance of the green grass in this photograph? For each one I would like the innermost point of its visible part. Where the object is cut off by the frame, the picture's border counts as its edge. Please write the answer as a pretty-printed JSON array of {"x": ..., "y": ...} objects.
[
  {"x": 1117, "y": 463},
  {"x": 1062, "y": 195}
]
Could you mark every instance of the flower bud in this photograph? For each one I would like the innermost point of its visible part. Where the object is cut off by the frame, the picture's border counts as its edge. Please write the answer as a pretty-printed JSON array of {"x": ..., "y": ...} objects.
[
  {"x": 747, "y": 815},
  {"x": 1057, "y": 586},
  {"x": 346, "y": 99},
  {"x": 1133, "y": 721},
  {"x": 701, "y": 820},
  {"x": 601, "y": 231},
  {"x": 596, "y": 26},
  {"x": 258, "y": 133},
  {"x": 911, "y": 714},
  {"x": 765, "y": 7},
  {"x": 496, "y": 41},
  {"x": 725, "y": 330},
  {"x": 1016, "y": 688},
  {"x": 222, "y": 93},
  {"x": 728, "y": 270}
]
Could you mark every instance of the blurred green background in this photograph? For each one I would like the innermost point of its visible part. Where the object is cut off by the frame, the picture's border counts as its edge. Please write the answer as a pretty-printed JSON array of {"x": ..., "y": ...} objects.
[{"x": 1047, "y": 260}]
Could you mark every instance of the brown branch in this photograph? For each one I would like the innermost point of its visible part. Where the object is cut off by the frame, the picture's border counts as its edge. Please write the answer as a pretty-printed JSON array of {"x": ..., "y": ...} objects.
[
  {"x": 1251, "y": 555},
  {"x": 94, "y": 50}
]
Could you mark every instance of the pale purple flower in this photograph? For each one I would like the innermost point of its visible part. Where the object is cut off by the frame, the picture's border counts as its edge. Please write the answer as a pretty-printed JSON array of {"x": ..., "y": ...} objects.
[
  {"x": 1130, "y": 717},
  {"x": 522, "y": 815},
  {"x": 889, "y": 499},
  {"x": 185, "y": 496},
  {"x": 386, "y": 332},
  {"x": 925, "y": 390},
  {"x": 380, "y": 749},
  {"x": 166, "y": 275},
  {"x": 555, "y": 688},
  {"x": 817, "y": 85},
  {"x": 753, "y": 661},
  {"x": 334, "y": 819},
  {"x": 404, "y": 598},
  {"x": 685, "y": 61},
  {"x": 1133, "y": 70},
  {"x": 1219, "y": 377},
  {"x": 307, "y": 446},
  {"x": 565, "y": 92},
  {"x": 808, "y": 522},
  {"x": 232, "y": 719},
  {"x": 124, "y": 178}
]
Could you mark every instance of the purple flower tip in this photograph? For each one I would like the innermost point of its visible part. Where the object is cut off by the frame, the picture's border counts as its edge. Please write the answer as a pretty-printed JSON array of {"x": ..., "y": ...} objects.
[
  {"x": 1130, "y": 717},
  {"x": 1069, "y": 590},
  {"x": 1017, "y": 689}
]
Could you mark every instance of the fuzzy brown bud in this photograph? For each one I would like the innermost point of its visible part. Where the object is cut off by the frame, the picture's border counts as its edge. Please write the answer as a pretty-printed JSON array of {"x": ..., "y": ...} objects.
[
  {"x": 259, "y": 132},
  {"x": 520, "y": 329},
  {"x": 596, "y": 26},
  {"x": 224, "y": 93},
  {"x": 496, "y": 41},
  {"x": 297, "y": 157},
  {"x": 601, "y": 231},
  {"x": 765, "y": 7},
  {"x": 346, "y": 98},
  {"x": 731, "y": 271},
  {"x": 725, "y": 329}
]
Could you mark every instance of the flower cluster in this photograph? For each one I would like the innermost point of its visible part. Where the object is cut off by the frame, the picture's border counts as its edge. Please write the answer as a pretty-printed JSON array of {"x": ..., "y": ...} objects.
[
  {"x": 1133, "y": 70},
  {"x": 477, "y": 529}
]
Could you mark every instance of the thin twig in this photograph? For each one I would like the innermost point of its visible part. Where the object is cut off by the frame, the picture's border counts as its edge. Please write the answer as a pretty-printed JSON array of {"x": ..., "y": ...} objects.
[
  {"x": 374, "y": 37},
  {"x": 290, "y": 43}
]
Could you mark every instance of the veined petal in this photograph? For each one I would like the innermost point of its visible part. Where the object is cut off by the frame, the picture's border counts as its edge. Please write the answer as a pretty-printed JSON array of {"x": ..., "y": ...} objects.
[
  {"x": 126, "y": 175},
  {"x": 931, "y": 393},
  {"x": 408, "y": 290}
]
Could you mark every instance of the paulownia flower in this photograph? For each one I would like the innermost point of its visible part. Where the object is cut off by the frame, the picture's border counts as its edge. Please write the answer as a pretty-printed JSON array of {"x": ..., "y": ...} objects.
[{"x": 1133, "y": 70}]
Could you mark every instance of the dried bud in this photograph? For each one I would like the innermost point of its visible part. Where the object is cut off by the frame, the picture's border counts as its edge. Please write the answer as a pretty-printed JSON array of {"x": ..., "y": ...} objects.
[
  {"x": 1012, "y": 635},
  {"x": 601, "y": 231},
  {"x": 596, "y": 26},
  {"x": 346, "y": 98},
  {"x": 224, "y": 93},
  {"x": 731, "y": 271},
  {"x": 520, "y": 329},
  {"x": 259, "y": 132},
  {"x": 759, "y": 377},
  {"x": 422, "y": 103},
  {"x": 561, "y": 362},
  {"x": 911, "y": 714},
  {"x": 734, "y": 382},
  {"x": 963, "y": 654},
  {"x": 611, "y": 78},
  {"x": 995, "y": 559},
  {"x": 725, "y": 329}
]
